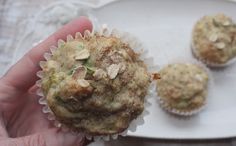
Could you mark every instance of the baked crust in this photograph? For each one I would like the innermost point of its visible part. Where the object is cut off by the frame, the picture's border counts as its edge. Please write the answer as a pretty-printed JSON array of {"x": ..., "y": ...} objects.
[
  {"x": 95, "y": 85},
  {"x": 214, "y": 39},
  {"x": 183, "y": 86}
]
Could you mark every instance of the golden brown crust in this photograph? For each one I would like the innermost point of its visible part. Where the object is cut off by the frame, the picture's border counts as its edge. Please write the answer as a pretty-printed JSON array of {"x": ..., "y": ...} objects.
[
  {"x": 214, "y": 39},
  {"x": 96, "y": 85},
  {"x": 183, "y": 86}
]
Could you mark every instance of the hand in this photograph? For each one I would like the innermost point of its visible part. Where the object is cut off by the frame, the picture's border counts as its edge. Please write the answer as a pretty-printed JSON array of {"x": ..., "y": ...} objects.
[{"x": 21, "y": 121}]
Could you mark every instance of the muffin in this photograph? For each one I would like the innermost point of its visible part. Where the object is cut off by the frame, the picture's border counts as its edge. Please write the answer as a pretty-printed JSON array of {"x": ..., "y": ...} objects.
[
  {"x": 214, "y": 40},
  {"x": 95, "y": 85},
  {"x": 182, "y": 89}
]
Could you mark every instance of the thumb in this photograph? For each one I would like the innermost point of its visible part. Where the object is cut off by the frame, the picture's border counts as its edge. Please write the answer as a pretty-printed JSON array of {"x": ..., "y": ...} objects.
[{"x": 49, "y": 138}]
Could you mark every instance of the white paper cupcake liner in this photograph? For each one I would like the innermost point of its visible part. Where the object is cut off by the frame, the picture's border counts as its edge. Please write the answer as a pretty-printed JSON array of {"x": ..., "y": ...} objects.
[
  {"x": 207, "y": 62},
  {"x": 187, "y": 114},
  {"x": 136, "y": 46}
]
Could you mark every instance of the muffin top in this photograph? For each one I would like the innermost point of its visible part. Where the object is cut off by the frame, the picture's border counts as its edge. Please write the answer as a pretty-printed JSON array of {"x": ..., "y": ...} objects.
[
  {"x": 95, "y": 85},
  {"x": 214, "y": 39},
  {"x": 183, "y": 86}
]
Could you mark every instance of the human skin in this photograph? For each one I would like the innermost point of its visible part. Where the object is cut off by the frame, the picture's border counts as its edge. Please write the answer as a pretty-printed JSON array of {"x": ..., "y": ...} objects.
[{"x": 21, "y": 121}]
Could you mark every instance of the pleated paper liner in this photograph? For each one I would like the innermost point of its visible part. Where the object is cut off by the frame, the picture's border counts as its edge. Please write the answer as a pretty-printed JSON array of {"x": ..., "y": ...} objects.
[
  {"x": 207, "y": 62},
  {"x": 135, "y": 45},
  {"x": 181, "y": 113}
]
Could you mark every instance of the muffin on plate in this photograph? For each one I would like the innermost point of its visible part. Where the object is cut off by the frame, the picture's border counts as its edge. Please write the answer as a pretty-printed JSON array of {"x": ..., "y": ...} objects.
[
  {"x": 214, "y": 40},
  {"x": 95, "y": 84},
  {"x": 183, "y": 88}
]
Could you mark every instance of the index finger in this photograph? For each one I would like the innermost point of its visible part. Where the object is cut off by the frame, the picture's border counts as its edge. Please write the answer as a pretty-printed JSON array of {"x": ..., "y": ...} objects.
[{"x": 22, "y": 75}]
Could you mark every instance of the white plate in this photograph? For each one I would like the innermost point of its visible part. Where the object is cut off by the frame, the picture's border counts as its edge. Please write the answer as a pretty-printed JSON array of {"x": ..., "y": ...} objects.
[{"x": 164, "y": 26}]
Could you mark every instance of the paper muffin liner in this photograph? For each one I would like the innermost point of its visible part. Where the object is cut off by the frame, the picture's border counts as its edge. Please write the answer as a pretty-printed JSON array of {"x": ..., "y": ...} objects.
[
  {"x": 207, "y": 62},
  {"x": 187, "y": 114},
  {"x": 136, "y": 46}
]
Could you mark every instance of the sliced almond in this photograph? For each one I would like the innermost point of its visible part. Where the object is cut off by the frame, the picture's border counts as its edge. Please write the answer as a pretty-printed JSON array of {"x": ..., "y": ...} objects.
[
  {"x": 220, "y": 45},
  {"x": 83, "y": 54},
  {"x": 99, "y": 74},
  {"x": 213, "y": 37},
  {"x": 113, "y": 70},
  {"x": 83, "y": 83},
  {"x": 80, "y": 72}
]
